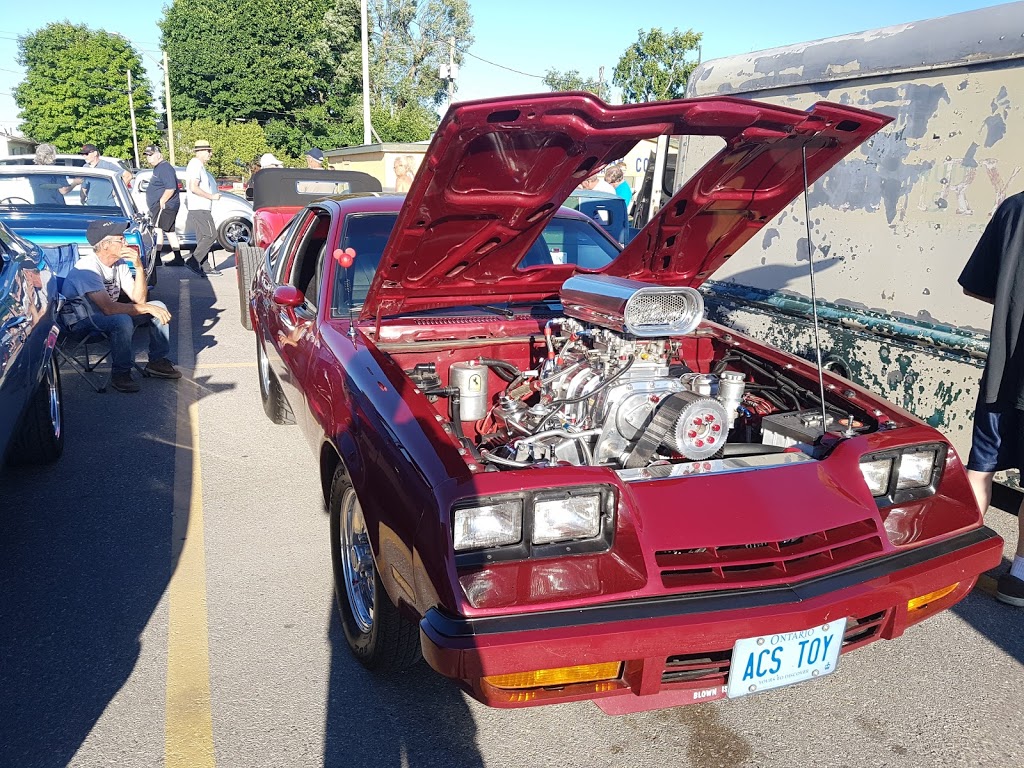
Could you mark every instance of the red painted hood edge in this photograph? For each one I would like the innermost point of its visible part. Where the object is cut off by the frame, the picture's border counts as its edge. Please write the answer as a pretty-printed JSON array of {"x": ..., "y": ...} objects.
[{"x": 497, "y": 170}]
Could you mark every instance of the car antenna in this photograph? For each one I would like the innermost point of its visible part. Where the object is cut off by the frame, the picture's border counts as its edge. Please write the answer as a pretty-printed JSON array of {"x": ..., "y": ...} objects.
[{"x": 814, "y": 295}]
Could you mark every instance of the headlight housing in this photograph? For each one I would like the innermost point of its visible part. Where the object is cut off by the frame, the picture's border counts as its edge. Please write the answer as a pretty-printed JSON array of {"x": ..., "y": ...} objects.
[
  {"x": 904, "y": 474},
  {"x": 534, "y": 523}
]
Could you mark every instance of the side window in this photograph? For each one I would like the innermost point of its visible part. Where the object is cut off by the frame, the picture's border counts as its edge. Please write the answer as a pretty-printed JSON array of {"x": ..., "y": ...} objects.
[
  {"x": 275, "y": 249},
  {"x": 311, "y": 244}
]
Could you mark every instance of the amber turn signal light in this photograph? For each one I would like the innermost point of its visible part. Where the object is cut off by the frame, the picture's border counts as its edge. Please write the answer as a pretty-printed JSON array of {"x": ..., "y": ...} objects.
[
  {"x": 543, "y": 678},
  {"x": 920, "y": 602}
]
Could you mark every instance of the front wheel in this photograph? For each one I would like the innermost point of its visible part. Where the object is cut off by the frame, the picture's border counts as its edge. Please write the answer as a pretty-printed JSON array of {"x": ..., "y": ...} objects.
[
  {"x": 40, "y": 435},
  {"x": 233, "y": 233},
  {"x": 274, "y": 403},
  {"x": 377, "y": 634}
]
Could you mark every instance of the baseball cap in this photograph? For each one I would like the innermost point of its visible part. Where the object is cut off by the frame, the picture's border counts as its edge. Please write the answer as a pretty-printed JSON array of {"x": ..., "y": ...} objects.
[
  {"x": 316, "y": 153},
  {"x": 267, "y": 160},
  {"x": 87, "y": 148},
  {"x": 102, "y": 228},
  {"x": 150, "y": 149}
]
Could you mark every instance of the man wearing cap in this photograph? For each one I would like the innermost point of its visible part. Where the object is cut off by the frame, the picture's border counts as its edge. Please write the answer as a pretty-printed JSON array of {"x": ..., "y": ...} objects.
[
  {"x": 114, "y": 303},
  {"x": 201, "y": 191},
  {"x": 314, "y": 158},
  {"x": 267, "y": 160},
  {"x": 164, "y": 200}
]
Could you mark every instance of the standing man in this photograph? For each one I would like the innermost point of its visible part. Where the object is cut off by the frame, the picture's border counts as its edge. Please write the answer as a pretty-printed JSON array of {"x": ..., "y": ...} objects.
[
  {"x": 995, "y": 274},
  {"x": 201, "y": 189},
  {"x": 114, "y": 303},
  {"x": 164, "y": 201},
  {"x": 103, "y": 195},
  {"x": 314, "y": 158}
]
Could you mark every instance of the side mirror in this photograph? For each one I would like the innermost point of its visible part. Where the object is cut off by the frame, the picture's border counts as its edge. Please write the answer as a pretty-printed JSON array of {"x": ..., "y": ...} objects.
[{"x": 288, "y": 296}]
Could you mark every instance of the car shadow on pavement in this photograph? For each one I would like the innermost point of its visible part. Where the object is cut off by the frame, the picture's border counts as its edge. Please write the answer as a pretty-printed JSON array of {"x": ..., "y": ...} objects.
[
  {"x": 85, "y": 559},
  {"x": 414, "y": 718}
]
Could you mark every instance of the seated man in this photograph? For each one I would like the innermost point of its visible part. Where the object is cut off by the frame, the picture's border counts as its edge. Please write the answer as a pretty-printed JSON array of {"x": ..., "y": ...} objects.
[{"x": 117, "y": 304}]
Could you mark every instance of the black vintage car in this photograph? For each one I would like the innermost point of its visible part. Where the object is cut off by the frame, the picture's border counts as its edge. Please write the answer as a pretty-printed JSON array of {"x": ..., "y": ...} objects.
[{"x": 31, "y": 409}]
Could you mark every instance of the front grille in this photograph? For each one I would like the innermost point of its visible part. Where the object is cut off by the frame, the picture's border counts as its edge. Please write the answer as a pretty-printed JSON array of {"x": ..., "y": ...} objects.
[
  {"x": 767, "y": 562},
  {"x": 712, "y": 668}
]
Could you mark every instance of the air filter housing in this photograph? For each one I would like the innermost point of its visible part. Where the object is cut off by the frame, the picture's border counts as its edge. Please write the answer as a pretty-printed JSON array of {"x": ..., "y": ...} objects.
[{"x": 630, "y": 306}]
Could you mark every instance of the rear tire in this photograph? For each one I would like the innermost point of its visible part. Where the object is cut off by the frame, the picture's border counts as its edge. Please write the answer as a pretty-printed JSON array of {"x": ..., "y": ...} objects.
[
  {"x": 247, "y": 260},
  {"x": 40, "y": 435},
  {"x": 377, "y": 634},
  {"x": 234, "y": 234},
  {"x": 274, "y": 403}
]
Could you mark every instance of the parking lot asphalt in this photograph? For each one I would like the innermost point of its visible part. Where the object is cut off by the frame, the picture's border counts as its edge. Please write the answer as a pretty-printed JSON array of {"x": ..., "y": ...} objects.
[{"x": 165, "y": 599}]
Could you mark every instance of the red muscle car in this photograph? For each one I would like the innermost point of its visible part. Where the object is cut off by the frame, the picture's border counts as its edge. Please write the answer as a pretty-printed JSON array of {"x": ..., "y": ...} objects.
[{"x": 546, "y": 472}]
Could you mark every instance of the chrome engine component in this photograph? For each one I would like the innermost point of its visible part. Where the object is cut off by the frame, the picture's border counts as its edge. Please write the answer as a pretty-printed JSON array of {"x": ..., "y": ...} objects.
[
  {"x": 471, "y": 379},
  {"x": 633, "y": 307},
  {"x": 701, "y": 429}
]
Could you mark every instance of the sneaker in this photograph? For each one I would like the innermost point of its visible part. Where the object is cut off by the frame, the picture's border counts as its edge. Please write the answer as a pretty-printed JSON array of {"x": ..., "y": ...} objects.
[
  {"x": 209, "y": 269},
  {"x": 176, "y": 261},
  {"x": 1010, "y": 590},
  {"x": 122, "y": 381},
  {"x": 193, "y": 266},
  {"x": 162, "y": 369}
]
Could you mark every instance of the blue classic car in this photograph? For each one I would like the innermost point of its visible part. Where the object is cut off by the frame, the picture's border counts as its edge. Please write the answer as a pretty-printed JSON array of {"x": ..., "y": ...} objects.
[
  {"x": 52, "y": 205},
  {"x": 31, "y": 411}
]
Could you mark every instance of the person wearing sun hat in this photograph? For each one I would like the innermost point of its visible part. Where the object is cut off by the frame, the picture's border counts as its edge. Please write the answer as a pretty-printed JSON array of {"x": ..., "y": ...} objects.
[
  {"x": 201, "y": 191},
  {"x": 267, "y": 160}
]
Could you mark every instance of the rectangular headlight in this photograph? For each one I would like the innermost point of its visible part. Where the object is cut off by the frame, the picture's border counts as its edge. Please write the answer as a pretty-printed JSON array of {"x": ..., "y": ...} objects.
[
  {"x": 876, "y": 475},
  {"x": 574, "y": 517},
  {"x": 488, "y": 525},
  {"x": 916, "y": 470}
]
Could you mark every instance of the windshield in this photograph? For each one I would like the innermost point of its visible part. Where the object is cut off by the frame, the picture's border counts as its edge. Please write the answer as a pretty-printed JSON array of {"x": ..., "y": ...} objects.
[
  {"x": 563, "y": 241},
  {"x": 56, "y": 191}
]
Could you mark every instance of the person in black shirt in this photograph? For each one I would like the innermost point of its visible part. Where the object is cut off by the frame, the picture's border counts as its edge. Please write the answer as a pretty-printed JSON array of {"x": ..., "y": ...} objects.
[
  {"x": 995, "y": 274},
  {"x": 164, "y": 200}
]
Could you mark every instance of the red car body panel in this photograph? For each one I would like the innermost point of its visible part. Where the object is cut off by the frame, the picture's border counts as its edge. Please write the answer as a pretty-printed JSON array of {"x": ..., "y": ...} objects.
[{"x": 693, "y": 561}]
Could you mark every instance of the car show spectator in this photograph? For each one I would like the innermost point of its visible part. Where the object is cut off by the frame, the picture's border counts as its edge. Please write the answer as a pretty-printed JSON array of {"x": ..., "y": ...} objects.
[
  {"x": 164, "y": 202},
  {"x": 597, "y": 183},
  {"x": 403, "y": 174},
  {"x": 92, "y": 158},
  {"x": 45, "y": 191},
  {"x": 102, "y": 295},
  {"x": 201, "y": 191},
  {"x": 267, "y": 160},
  {"x": 995, "y": 274},
  {"x": 617, "y": 179},
  {"x": 314, "y": 157}
]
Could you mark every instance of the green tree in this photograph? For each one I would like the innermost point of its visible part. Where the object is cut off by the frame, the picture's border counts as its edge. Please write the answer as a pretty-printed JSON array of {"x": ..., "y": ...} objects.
[
  {"x": 294, "y": 67},
  {"x": 409, "y": 43},
  {"x": 655, "y": 67},
  {"x": 236, "y": 145},
  {"x": 574, "y": 81},
  {"x": 76, "y": 90}
]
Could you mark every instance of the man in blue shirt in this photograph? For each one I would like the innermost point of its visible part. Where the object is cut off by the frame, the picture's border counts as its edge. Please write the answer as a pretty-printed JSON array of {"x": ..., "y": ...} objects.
[{"x": 164, "y": 200}]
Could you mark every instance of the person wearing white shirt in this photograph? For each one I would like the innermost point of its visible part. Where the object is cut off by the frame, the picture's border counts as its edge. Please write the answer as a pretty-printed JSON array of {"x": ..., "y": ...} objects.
[{"x": 201, "y": 191}]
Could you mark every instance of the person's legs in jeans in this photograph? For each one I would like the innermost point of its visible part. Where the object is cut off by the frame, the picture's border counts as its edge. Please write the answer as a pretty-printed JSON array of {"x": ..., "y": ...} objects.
[
  {"x": 159, "y": 334},
  {"x": 119, "y": 330}
]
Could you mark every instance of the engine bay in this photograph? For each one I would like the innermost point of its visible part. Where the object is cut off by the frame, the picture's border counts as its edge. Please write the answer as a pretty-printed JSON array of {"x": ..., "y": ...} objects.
[{"x": 605, "y": 391}]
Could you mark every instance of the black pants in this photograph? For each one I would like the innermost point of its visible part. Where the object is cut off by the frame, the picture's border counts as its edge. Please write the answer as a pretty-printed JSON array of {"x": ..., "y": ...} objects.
[{"x": 201, "y": 222}]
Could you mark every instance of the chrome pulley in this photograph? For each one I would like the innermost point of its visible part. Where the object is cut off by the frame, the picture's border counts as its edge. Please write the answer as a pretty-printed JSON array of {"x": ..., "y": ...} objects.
[{"x": 701, "y": 429}]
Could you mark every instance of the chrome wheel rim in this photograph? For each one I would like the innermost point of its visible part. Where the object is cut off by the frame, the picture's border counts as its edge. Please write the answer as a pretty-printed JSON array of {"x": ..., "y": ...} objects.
[
  {"x": 264, "y": 367},
  {"x": 237, "y": 233},
  {"x": 357, "y": 562},
  {"x": 54, "y": 387}
]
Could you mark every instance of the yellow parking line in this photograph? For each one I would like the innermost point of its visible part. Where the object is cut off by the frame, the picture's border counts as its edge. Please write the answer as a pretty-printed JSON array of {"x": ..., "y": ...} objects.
[{"x": 188, "y": 728}]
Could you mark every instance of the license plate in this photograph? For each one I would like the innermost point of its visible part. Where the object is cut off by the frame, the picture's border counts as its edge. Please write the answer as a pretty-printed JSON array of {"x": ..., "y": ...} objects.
[{"x": 772, "y": 661}]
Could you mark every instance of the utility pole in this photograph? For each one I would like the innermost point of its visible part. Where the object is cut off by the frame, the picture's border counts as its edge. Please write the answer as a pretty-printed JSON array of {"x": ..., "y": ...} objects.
[
  {"x": 365, "y": 35},
  {"x": 135, "y": 132},
  {"x": 451, "y": 69},
  {"x": 167, "y": 106},
  {"x": 600, "y": 82}
]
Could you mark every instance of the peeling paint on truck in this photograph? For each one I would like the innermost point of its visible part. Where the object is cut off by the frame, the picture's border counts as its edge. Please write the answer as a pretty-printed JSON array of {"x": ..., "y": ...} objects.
[{"x": 893, "y": 225}]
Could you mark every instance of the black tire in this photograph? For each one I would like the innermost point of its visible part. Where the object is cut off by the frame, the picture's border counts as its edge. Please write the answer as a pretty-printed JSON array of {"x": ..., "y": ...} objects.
[
  {"x": 378, "y": 635},
  {"x": 152, "y": 277},
  {"x": 39, "y": 438},
  {"x": 247, "y": 260},
  {"x": 234, "y": 233},
  {"x": 275, "y": 405}
]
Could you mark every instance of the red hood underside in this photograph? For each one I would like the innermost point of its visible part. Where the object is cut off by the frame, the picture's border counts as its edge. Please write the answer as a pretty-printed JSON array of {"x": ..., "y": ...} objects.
[{"x": 497, "y": 171}]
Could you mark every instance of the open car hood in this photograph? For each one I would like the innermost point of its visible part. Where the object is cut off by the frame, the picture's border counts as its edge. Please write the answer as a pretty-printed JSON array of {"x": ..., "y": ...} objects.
[{"x": 497, "y": 170}]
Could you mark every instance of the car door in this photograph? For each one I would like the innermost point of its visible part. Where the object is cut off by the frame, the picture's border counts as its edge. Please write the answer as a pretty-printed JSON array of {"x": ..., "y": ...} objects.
[
  {"x": 15, "y": 324},
  {"x": 292, "y": 329}
]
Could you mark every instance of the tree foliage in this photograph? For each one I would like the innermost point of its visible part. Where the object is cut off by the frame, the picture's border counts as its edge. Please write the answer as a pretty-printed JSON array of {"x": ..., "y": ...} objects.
[
  {"x": 409, "y": 42},
  {"x": 655, "y": 67},
  {"x": 76, "y": 90},
  {"x": 574, "y": 81},
  {"x": 236, "y": 145}
]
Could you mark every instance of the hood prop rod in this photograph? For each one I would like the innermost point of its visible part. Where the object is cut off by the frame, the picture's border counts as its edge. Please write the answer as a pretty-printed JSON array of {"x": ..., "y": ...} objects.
[{"x": 814, "y": 295}]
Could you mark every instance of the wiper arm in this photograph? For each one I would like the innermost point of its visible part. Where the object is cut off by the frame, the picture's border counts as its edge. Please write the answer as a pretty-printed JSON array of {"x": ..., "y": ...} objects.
[{"x": 508, "y": 313}]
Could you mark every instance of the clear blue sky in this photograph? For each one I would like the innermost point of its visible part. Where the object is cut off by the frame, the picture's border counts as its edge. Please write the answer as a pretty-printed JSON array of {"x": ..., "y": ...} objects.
[{"x": 530, "y": 36}]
